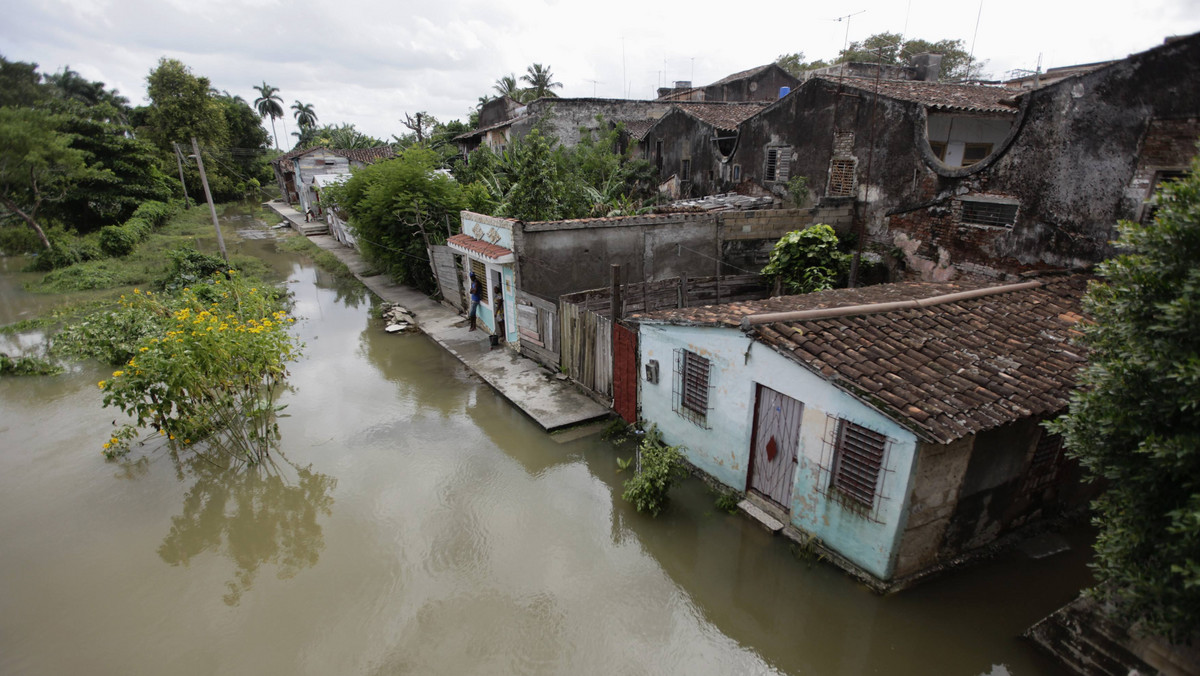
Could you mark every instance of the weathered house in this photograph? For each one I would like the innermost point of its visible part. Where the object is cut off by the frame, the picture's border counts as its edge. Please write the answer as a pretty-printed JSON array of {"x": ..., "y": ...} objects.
[
  {"x": 691, "y": 146},
  {"x": 761, "y": 83},
  {"x": 492, "y": 128},
  {"x": 980, "y": 181},
  {"x": 898, "y": 434},
  {"x": 297, "y": 170},
  {"x": 486, "y": 249},
  {"x": 562, "y": 119}
]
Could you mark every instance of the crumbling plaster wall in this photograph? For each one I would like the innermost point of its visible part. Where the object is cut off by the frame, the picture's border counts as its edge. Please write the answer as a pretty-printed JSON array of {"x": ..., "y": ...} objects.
[
  {"x": 685, "y": 137},
  {"x": 1071, "y": 161},
  {"x": 563, "y": 118}
]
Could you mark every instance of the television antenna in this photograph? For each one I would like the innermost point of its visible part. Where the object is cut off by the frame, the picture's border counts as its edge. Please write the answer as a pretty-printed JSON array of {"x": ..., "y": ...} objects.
[
  {"x": 594, "y": 83},
  {"x": 846, "y": 18}
]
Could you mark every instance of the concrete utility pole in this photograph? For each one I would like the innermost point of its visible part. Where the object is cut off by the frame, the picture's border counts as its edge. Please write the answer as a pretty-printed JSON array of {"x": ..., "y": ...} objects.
[
  {"x": 187, "y": 203},
  {"x": 212, "y": 209}
]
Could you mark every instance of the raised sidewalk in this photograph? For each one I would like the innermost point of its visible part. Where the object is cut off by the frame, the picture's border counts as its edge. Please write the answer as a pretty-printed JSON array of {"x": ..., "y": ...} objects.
[{"x": 552, "y": 403}]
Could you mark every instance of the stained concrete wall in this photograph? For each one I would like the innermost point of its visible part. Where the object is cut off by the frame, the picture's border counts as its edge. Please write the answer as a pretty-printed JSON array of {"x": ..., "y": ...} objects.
[
  {"x": 684, "y": 137},
  {"x": 721, "y": 446},
  {"x": 761, "y": 86},
  {"x": 560, "y": 257}
]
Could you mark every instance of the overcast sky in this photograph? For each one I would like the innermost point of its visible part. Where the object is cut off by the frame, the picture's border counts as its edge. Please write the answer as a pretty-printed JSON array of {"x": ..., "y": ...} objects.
[{"x": 366, "y": 62}]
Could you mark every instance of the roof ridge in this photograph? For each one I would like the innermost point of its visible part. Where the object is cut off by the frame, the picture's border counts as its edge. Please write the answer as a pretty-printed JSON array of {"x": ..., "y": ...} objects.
[{"x": 877, "y": 308}]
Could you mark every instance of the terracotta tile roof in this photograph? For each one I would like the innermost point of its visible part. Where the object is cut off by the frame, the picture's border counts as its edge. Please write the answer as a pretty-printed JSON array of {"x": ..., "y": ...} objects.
[
  {"x": 492, "y": 252},
  {"x": 742, "y": 74},
  {"x": 637, "y": 128},
  {"x": 367, "y": 155},
  {"x": 483, "y": 130},
  {"x": 936, "y": 95},
  {"x": 724, "y": 116},
  {"x": 364, "y": 155},
  {"x": 680, "y": 94},
  {"x": 944, "y": 371}
]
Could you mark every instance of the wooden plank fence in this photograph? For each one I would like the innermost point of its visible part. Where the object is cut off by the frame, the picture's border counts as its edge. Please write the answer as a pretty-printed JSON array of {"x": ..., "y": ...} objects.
[
  {"x": 446, "y": 270},
  {"x": 538, "y": 328},
  {"x": 673, "y": 293},
  {"x": 587, "y": 348}
]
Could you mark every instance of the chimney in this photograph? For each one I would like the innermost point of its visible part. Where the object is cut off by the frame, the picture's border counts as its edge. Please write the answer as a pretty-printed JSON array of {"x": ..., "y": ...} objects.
[{"x": 928, "y": 67}]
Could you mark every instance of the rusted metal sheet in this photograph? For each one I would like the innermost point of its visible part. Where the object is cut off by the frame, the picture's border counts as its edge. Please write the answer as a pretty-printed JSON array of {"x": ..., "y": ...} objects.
[
  {"x": 625, "y": 373},
  {"x": 776, "y": 439}
]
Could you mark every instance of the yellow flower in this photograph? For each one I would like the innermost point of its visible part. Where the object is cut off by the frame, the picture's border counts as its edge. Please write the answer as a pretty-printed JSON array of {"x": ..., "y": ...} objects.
[
  {"x": 101, "y": 384},
  {"x": 161, "y": 432},
  {"x": 117, "y": 374},
  {"x": 106, "y": 446},
  {"x": 136, "y": 291},
  {"x": 172, "y": 437}
]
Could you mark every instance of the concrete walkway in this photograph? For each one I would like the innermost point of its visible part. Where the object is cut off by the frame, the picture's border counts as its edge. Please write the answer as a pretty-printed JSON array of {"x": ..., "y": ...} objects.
[{"x": 553, "y": 403}]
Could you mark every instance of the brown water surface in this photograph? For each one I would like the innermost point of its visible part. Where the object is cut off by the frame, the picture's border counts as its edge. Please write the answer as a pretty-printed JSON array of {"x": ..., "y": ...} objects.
[{"x": 418, "y": 523}]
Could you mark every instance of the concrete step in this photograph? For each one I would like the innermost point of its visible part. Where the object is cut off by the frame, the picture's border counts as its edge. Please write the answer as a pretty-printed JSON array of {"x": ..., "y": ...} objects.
[{"x": 754, "y": 512}]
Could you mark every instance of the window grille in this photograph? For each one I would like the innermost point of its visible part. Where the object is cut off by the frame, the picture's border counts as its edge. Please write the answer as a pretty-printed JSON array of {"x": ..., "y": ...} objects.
[
  {"x": 691, "y": 385},
  {"x": 772, "y": 162},
  {"x": 685, "y": 170},
  {"x": 737, "y": 172},
  {"x": 996, "y": 214},
  {"x": 480, "y": 271},
  {"x": 858, "y": 460},
  {"x": 841, "y": 177}
]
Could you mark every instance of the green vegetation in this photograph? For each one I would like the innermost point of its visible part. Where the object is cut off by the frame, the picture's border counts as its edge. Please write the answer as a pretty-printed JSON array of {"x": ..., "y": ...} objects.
[
  {"x": 1135, "y": 422},
  {"x": 27, "y": 366},
  {"x": 207, "y": 364},
  {"x": 389, "y": 202},
  {"x": 534, "y": 179},
  {"x": 660, "y": 467},
  {"x": 807, "y": 260},
  {"x": 727, "y": 501},
  {"x": 892, "y": 49}
]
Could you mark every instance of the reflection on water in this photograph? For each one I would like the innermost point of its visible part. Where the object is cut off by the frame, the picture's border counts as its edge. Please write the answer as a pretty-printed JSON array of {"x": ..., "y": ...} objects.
[{"x": 255, "y": 516}]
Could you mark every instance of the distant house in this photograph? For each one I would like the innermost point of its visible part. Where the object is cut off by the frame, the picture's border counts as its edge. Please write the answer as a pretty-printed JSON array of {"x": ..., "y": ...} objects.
[
  {"x": 761, "y": 83},
  {"x": 898, "y": 434},
  {"x": 691, "y": 146},
  {"x": 563, "y": 119},
  {"x": 334, "y": 218},
  {"x": 296, "y": 171}
]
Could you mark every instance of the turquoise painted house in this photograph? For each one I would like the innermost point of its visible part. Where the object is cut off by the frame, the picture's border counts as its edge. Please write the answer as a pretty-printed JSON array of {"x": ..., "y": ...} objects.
[
  {"x": 485, "y": 247},
  {"x": 897, "y": 425}
]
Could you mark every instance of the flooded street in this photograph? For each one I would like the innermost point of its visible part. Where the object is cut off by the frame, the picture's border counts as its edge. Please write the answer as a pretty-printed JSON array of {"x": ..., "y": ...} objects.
[{"x": 418, "y": 523}]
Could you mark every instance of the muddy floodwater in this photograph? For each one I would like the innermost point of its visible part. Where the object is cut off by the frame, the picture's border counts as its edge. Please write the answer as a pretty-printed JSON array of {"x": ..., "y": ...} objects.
[{"x": 417, "y": 523}]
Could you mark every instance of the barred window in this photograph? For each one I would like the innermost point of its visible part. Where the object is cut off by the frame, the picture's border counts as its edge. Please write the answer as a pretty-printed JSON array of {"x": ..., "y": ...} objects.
[
  {"x": 685, "y": 170},
  {"x": 1002, "y": 214},
  {"x": 841, "y": 176},
  {"x": 691, "y": 395},
  {"x": 858, "y": 460},
  {"x": 779, "y": 161},
  {"x": 480, "y": 271}
]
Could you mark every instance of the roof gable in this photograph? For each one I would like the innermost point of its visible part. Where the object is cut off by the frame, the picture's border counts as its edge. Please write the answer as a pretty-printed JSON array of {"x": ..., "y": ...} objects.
[{"x": 935, "y": 95}]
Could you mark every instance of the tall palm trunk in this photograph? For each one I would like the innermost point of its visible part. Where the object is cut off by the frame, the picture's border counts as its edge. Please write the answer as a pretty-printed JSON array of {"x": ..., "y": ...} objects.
[{"x": 274, "y": 133}]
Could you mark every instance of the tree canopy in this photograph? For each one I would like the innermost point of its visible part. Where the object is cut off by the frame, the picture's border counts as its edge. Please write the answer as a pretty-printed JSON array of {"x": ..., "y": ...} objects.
[
  {"x": 387, "y": 204},
  {"x": 1135, "y": 422},
  {"x": 541, "y": 82},
  {"x": 891, "y": 49}
]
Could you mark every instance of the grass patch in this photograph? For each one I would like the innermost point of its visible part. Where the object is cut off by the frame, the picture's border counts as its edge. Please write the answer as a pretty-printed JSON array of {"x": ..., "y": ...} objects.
[
  {"x": 320, "y": 257},
  {"x": 27, "y": 366}
]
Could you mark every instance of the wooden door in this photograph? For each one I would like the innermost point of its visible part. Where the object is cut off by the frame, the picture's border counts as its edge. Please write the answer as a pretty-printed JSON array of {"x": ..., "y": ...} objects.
[{"x": 775, "y": 441}]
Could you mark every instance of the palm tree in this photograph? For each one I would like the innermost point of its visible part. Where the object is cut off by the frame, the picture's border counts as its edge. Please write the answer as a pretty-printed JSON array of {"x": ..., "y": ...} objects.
[
  {"x": 507, "y": 86},
  {"x": 269, "y": 103},
  {"x": 541, "y": 81},
  {"x": 304, "y": 114}
]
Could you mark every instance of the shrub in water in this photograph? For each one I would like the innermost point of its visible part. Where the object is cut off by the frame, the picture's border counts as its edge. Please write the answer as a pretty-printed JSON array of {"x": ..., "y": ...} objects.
[{"x": 661, "y": 467}]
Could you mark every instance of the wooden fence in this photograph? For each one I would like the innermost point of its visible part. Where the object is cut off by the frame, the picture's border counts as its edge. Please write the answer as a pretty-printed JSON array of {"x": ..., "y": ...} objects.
[
  {"x": 587, "y": 348},
  {"x": 538, "y": 327},
  {"x": 585, "y": 318},
  {"x": 673, "y": 293},
  {"x": 446, "y": 271}
]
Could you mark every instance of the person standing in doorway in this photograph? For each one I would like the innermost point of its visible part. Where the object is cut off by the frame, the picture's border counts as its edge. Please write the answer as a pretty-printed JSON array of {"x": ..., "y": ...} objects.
[
  {"x": 498, "y": 313},
  {"x": 475, "y": 298}
]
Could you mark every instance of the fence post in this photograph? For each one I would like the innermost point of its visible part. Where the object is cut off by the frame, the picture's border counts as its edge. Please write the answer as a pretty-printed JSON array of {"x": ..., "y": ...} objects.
[{"x": 615, "y": 298}]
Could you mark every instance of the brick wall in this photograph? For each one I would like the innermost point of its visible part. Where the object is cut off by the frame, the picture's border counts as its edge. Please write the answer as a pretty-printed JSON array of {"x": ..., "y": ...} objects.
[{"x": 775, "y": 223}]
